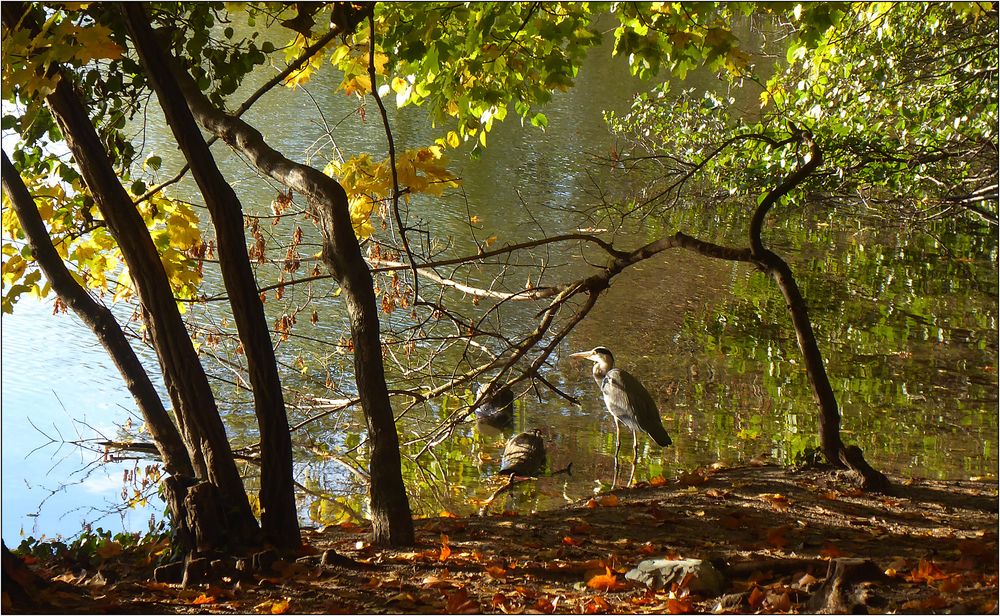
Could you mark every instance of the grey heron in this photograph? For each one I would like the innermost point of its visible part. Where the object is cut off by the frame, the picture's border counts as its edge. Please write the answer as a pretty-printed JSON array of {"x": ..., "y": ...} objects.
[{"x": 628, "y": 402}]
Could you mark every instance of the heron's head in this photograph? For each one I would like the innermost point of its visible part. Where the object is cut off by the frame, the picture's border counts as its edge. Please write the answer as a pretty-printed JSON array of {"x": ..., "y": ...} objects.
[{"x": 599, "y": 355}]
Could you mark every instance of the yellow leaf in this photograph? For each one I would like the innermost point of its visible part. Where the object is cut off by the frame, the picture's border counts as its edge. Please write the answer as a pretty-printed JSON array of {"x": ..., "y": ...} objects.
[
  {"x": 94, "y": 42},
  {"x": 280, "y": 607},
  {"x": 300, "y": 77},
  {"x": 399, "y": 84},
  {"x": 339, "y": 54},
  {"x": 380, "y": 60},
  {"x": 452, "y": 139},
  {"x": 359, "y": 84}
]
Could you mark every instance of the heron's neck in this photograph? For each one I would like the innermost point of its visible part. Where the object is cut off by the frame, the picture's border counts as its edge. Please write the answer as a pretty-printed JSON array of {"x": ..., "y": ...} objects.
[{"x": 600, "y": 369}]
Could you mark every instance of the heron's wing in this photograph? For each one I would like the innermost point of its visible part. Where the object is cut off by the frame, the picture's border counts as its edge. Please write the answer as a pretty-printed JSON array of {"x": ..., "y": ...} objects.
[{"x": 629, "y": 401}]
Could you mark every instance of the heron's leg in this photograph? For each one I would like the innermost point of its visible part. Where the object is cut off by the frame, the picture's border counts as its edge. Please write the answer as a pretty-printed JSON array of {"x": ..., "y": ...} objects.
[
  {"x": 618, "y": 447},
  {"x": 635, "y": 456}
]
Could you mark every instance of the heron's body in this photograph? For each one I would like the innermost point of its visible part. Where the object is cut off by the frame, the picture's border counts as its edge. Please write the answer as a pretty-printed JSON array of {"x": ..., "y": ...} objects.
[
  {"x": 627, "y": 401},
  {"x": 497, "y": 411},
  {"x": 630, "y": 403},
  {"x": 524, "y": 455}
]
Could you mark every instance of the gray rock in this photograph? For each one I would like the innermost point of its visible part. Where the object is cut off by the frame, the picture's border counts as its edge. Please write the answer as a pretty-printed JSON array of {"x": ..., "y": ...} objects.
[{"x": 661, "y": 573}]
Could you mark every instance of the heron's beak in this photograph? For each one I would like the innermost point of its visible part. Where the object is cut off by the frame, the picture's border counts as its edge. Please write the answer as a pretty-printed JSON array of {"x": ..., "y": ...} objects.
[{"x": 581, "y": 355}]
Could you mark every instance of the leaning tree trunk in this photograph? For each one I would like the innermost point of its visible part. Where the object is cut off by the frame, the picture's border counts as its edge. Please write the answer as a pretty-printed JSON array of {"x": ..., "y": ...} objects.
[
  {"x": 183, "y": 374},
  {"x": 392, "y": 522},
  {"x": 187, "y": 384},
  {"x": 279, "y": 519},
  {"x": 774, "y": 266},
  {"x": 100, "y": 320}
]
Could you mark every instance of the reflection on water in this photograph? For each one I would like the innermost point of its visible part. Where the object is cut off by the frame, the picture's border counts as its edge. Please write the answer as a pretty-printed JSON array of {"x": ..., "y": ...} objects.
[
  {"x": 58, "y": 385},
  {"x": 906, "y": 321}
]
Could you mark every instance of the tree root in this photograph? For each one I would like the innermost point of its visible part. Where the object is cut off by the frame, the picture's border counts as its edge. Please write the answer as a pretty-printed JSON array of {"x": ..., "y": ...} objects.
[{"x": 870, "y": 480}]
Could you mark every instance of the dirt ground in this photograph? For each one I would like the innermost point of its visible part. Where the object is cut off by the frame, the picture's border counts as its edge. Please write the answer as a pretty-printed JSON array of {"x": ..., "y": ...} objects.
[{"x": 777, "y": 536}]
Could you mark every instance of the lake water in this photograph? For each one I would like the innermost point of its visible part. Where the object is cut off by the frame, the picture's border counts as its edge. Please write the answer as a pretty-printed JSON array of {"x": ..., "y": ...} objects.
[{"x": 906, "y": 319}]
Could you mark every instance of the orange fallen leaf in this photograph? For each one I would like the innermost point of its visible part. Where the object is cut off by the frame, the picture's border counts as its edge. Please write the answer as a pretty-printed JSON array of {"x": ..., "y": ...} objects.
[
  {"x": 203, "y": 599},
  {"x": 581, "y": 528},
  {"x": 606, "y": 581},
  {"x": 496, "y": 572},
  {"x": 694, "y": 478},
  {"x": 567, "y": 540},
  {"x": 951, "y": 584},
  {"x": 776, "y": 536},
  {"x": 596, "y": 604},
  {"x": 445, "y": 549},
  {"x": 433, "y": 581},
  {"x": 657, "y": 482},
  {"x": 594, "y": 564},
  {"x": 830, "y": 550},
  {"x": 281, "y": 607},
  {"x": 546, "y": 605},
  {"x": 447, "y": 514},
  {"x": 610, "y": 500},
  {"x": 459, "y": 602},
  {"x": 926, "y": 571},
  {"x": 678, "y": 605},
  {"x": 778, "y": 501},
  {"x": 756, "y": 597},
  {"x": 648, "y": 548},
  {"x": 500, "y": 600},
  {"x": 716, "y": 493}
]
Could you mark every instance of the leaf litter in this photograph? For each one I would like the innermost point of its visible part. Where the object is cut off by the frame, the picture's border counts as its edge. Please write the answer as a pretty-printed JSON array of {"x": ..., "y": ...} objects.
[{"x": 775, "y": 533}]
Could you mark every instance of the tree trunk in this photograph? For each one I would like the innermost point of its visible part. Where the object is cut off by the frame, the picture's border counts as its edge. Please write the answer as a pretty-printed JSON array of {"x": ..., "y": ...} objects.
[
  {"x": 185, "y": 378},
  {"x": 774, "y": 266},
  {"x": 100, "y": 320},
  {"x": 279, "y": 518},
  {"x": 392, "y": 523},
  {"x": 187, "y": 384},
  {"x": 829, "y": 417}
]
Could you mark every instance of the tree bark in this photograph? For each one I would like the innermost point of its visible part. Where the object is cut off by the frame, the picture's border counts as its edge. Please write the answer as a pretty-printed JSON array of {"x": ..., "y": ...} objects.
[
  {"x": 279, "y": 518},
  {"x": 392, "y": 523},
  {"x": 100, "y": 320},
  {"x": 187, "y": 384}
]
